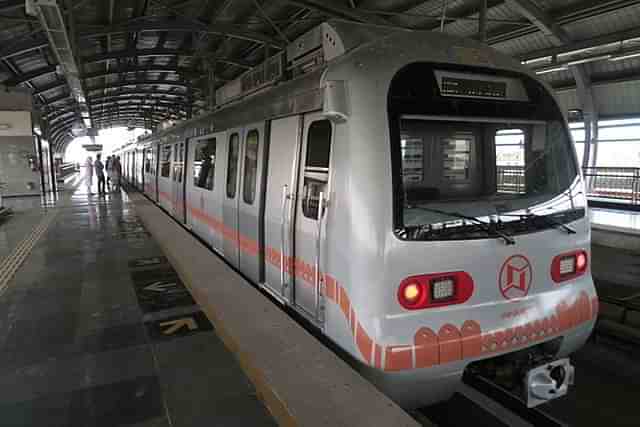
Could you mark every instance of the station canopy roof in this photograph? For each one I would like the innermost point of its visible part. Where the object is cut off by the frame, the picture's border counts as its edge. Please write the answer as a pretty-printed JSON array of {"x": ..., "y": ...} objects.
[{"x": 141, "y": 62}]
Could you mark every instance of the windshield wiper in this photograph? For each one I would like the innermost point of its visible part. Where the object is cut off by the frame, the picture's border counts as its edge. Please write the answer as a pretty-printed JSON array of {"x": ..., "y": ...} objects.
[
  {"x": 546, "y": 218},
  {"x": 489, "y": 227}
]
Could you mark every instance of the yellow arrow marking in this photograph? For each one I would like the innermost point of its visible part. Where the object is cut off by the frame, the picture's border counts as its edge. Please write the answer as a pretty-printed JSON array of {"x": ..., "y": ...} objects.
[{"x": 176, "y": 325}]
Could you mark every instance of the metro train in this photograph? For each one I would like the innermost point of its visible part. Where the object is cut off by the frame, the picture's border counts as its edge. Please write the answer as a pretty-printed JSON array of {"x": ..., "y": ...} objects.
[{"x": 414, "y": 196}]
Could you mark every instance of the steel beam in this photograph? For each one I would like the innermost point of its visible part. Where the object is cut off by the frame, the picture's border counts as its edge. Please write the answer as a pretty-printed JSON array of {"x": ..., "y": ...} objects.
[
  {"x": 137, "y": 102},
  {"x": 139, "y": 112},
  {"x": 482, "y": 21},
  {"x": 19, "y": 47},
  {"x": 31, "y": 75},
  {"x": 612, "y": 38},
  {"x": 51, "y": 86},
  {"x": 157, "y": 25},
  {"x": 60, "y": 98},
  {"x": 572, "y": 13},
  {"x": 143, "y": 94},
  {"x": 11, "y": 5},
  {"x": 545, "y": 23},
  {"x": 177, "y": 83},
  {"x": 335, "y": 9},
  {"x": 130, "y": 70}
]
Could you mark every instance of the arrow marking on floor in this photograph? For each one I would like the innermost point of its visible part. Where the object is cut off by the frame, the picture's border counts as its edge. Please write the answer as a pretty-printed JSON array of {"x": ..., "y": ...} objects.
[
  {"x": 176, "y": 325},
  {"x": 160, "y": 286}
]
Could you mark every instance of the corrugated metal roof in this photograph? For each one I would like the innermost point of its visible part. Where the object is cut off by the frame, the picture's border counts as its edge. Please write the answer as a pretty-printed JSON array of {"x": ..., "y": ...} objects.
[
  {"x": 612, "y": 99},
  {"x": 622, "y": 19},
  {"x": 507, "y": 29}
]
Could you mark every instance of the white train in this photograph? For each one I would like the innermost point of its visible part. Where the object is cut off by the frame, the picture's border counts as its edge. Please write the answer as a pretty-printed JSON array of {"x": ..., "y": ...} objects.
[{"x": 413, "y": 195}]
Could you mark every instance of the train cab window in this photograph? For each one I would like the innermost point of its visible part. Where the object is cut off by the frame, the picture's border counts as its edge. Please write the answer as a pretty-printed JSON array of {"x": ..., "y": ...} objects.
[
  {"x": 252, "y": 142},
  {"x": 316, "y": 167},
  {"x": 510, "y": 162},
  {"x": 165, "y": 161},
  {"x": 232, "y": 165},
  {"x": 204, "y": 164},
  {"x": 471, "y": 145}
]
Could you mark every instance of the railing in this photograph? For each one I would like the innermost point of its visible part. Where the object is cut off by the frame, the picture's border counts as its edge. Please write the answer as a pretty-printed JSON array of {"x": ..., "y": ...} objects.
[
  {"x": 613, "y": 183},
  {"x": 616, "y": 183},
  {"x": 510, "y": 179},
  {"x": 66, "y": 169}
]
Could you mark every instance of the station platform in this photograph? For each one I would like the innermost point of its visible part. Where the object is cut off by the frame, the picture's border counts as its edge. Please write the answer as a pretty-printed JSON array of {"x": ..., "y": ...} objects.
[
  {"x": 96, "y": 328},
  {"x": 100, "y": 327}
]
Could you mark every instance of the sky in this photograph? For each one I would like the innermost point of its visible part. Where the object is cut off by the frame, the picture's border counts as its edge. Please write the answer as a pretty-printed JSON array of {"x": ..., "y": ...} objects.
[{"x": 111, "y": 139}]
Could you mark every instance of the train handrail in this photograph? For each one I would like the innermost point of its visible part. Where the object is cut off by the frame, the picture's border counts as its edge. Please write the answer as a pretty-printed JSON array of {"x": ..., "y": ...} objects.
[
  {"x": 283, "y": 221},
  {"x": 318, "y": 283}
]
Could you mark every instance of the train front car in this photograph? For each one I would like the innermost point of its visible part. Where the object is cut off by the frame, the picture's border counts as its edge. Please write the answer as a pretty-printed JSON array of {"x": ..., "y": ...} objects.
[{"x": 458, "y": 233}]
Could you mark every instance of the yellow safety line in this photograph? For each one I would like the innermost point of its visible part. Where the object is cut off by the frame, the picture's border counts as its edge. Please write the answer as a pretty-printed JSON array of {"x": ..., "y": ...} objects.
[{"x": 10, "y": 265}]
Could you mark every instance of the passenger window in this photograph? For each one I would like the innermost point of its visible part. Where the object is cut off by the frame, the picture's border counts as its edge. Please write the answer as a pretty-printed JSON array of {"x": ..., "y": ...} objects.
[
  {"x": 204, "y": 164},
  {"x": 252, "y": 143},
  {"x": 316, "y": 166},
  {"x": 510, "y": 161},
  {"x": 232, "y": 165},
  {"x": 165, "y": 167},
  {"x": 147, "y": 161},
  {"x": 456, "y": 156}
]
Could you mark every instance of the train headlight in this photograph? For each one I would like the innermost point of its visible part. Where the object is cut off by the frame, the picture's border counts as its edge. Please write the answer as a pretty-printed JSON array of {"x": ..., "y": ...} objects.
[
  {"x": 569, "y": 266},
  {"x": 435, "y": 290},
  {"x": 412, "y": 294}
]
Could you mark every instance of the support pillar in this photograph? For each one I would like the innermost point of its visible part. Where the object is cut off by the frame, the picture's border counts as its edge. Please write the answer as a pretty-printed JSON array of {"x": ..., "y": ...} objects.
[{"x": 482, "y": 21}]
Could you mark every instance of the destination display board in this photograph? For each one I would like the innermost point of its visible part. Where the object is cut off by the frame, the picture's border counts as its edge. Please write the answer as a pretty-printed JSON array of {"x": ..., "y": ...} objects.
[
  {"x": 92, "y": 147},
  {"x": 454, "y": 86}
]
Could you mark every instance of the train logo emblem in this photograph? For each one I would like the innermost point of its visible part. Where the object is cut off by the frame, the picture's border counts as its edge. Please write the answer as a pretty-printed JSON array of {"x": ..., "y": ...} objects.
[{"x": 515, "y": 277}]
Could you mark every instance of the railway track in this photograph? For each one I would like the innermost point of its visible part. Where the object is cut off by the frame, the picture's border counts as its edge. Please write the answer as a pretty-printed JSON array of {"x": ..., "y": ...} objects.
[{"x": 482, "y": 403}]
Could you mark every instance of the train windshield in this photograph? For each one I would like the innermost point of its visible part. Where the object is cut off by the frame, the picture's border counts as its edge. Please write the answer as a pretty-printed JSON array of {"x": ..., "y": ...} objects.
[{"x": 478, "y": 161}]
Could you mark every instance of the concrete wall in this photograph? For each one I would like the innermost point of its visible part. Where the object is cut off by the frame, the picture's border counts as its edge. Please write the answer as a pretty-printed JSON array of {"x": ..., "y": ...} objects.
[
  {"x": 15, "y": 171},
  {"x": 18, "y": 154},
  {"x": 16, "y": 99}
]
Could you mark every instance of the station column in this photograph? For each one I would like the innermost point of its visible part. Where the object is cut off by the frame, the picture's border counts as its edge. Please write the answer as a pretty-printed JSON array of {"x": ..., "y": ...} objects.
[{"x": 19, "y": 163}]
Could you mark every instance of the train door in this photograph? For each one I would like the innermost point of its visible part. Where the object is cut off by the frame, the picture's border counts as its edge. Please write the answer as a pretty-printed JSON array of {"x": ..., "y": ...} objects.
[
  {"x": 250, "y": 201},
  {"x": 178, "y": 182},
  {"x": 230, "y": 247},
  {"x": 205, "y": 187},
  {"x": 164, "y": 178},
  {"x": 283, "y": 149},
  {"x": 312, "y": 191}
]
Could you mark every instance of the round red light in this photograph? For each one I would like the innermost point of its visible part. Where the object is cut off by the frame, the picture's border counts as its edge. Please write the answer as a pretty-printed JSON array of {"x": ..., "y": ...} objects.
[
  {"x": 412, "y": 294},
  {"x": 581, "y": 261}
]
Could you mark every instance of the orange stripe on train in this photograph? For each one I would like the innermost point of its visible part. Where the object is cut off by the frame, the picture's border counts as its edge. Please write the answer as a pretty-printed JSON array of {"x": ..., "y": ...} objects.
[{"x": 429, "y": 348}]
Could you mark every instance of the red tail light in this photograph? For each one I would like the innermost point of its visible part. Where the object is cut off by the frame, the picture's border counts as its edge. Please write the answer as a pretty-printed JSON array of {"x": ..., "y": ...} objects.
[
  {"x": 435, "y": 290},
  {"x": 569, "y": 265}
]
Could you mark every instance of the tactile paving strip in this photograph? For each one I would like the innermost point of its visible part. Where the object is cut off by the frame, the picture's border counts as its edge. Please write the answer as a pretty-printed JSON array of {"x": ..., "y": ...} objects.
[{"x": 12, "y": 263}]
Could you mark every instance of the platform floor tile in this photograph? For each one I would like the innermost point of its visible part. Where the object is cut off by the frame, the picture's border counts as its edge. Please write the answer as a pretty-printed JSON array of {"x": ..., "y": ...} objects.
[{"x": 97, "y": 330}]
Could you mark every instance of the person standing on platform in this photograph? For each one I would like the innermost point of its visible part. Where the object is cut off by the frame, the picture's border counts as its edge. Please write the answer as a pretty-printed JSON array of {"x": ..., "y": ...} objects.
[
  {"x": 117, "y": 172},
  {"x": 99, "y": 167},
  {"x": 108, "y": 165},
  {"x": 88, "y": 173}
]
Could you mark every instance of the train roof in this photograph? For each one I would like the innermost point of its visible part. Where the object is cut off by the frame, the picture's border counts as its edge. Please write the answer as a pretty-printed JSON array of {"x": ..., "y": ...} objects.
[{"x": 298, "y": 71}]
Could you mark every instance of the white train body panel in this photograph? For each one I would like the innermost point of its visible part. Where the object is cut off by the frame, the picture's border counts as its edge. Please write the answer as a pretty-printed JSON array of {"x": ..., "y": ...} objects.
[{"x": 416, "y": 355}]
